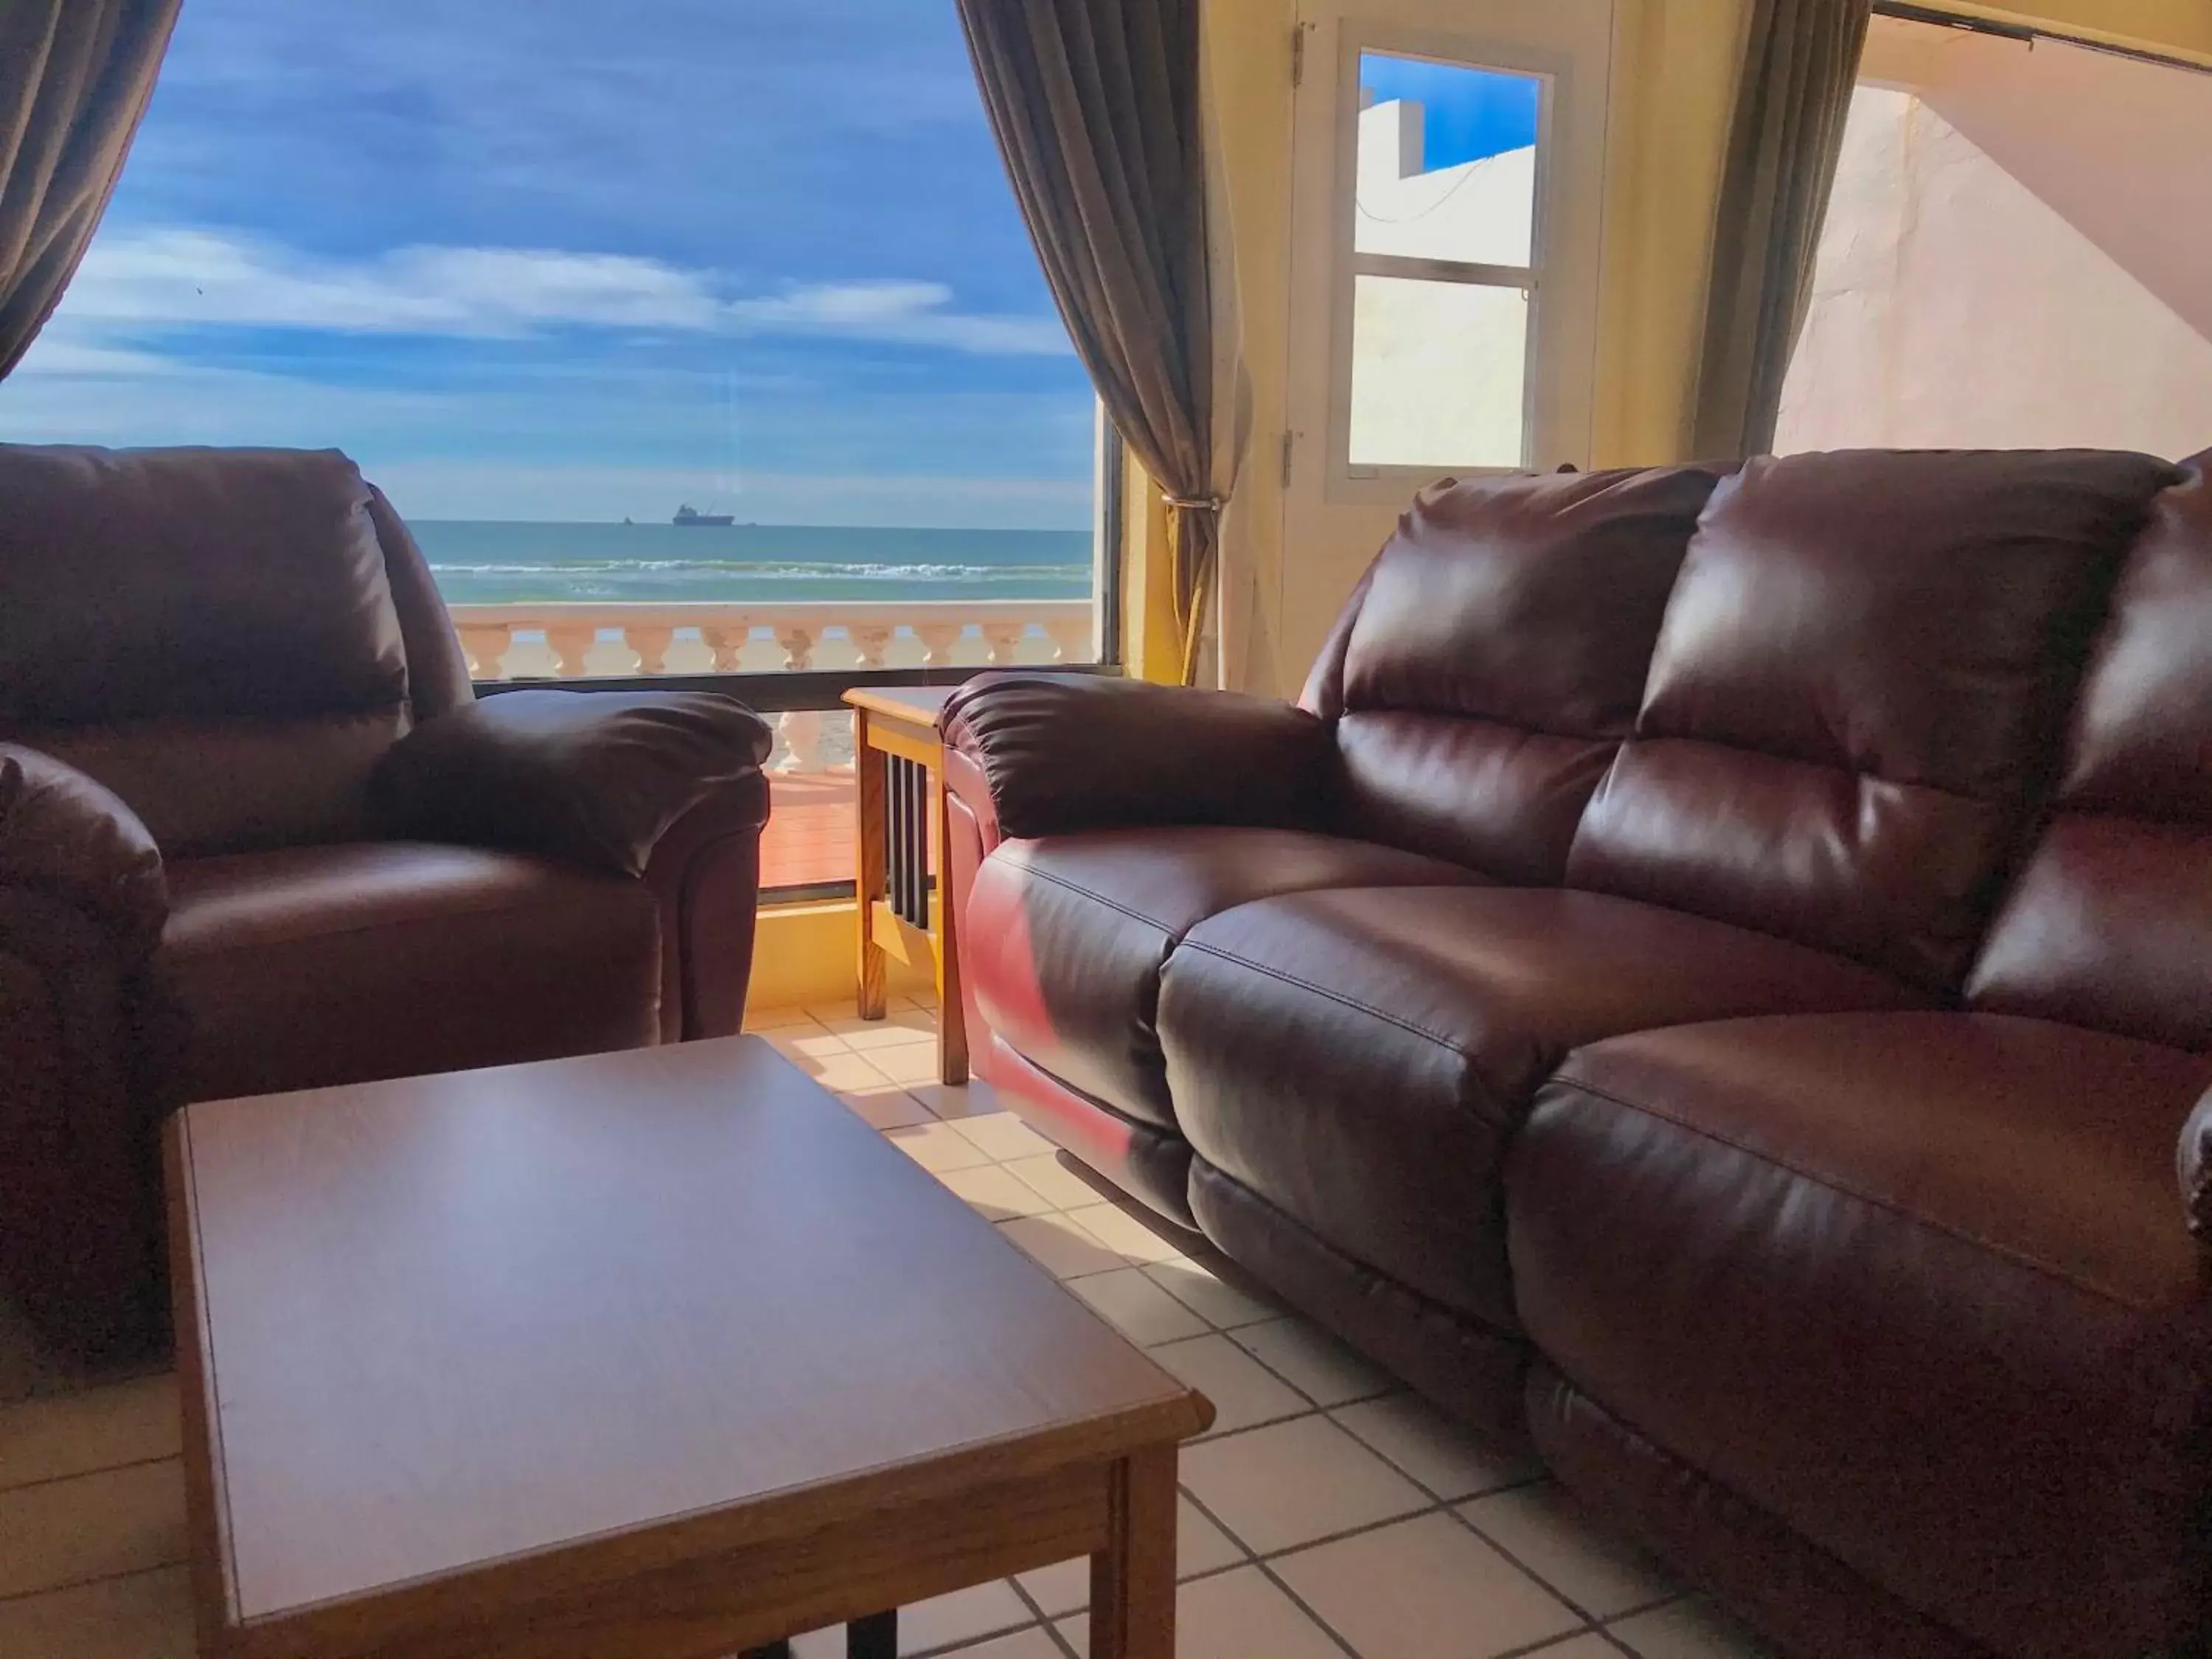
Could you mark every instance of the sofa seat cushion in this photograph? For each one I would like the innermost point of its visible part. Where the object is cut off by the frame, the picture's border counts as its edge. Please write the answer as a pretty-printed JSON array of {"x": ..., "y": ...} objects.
[
  {"x": 1361, "y": 1059},
  {"x": 1064, "y": 936},
  {"x": 1913, "y": 1283},
  {"x": 319, "y": 965}
]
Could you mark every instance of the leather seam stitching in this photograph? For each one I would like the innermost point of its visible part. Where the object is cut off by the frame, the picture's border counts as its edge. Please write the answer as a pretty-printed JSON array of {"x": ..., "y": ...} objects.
[
  {"x": 1337, "y": 997},
  {"x": 1949, "y": 1230},
  {"x": 1063, "y": 882}
]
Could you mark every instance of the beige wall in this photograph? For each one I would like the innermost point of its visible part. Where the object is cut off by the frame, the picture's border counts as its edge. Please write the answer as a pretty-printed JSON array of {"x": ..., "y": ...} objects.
[
  {"x": 1956, "y": 307},
  {"x": 1247, "y": 50},
  {"x": 2008, "y": 260}
]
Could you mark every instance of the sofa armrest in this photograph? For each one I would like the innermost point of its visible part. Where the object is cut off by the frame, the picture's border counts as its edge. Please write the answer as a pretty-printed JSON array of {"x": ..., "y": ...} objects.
[
  {"x": 65, "y": 835},
  {"x": 2193, "y": 1161},
  {"x": 1062, "y": 752},
  {"x": 593, "y": 779}
]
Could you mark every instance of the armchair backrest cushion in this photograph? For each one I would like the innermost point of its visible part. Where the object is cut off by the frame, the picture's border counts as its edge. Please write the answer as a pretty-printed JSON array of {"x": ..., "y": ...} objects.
[{"x": 213, "y": 635}]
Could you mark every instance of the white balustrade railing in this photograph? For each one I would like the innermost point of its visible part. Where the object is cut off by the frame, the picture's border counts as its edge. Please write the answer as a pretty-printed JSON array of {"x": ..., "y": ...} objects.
[{"x": 578, "y": 638}]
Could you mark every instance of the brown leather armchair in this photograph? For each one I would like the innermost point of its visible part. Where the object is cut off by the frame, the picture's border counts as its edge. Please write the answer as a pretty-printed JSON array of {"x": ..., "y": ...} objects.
[{"x": 257, "y": 834}]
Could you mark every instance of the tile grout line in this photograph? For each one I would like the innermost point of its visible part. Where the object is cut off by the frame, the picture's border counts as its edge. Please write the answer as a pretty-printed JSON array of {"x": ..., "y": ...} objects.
[
  {"x": 1044, "y": 1619},
  {"x": 1271, "y": 1577}
]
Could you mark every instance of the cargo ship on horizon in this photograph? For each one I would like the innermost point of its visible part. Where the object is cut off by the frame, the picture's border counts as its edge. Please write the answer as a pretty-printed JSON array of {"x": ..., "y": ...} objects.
[{"x": 688, "y": 515}]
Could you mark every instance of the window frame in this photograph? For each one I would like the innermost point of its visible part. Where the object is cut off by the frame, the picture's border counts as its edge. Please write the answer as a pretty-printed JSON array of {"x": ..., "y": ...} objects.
[{"x": 1373, "y": 482}]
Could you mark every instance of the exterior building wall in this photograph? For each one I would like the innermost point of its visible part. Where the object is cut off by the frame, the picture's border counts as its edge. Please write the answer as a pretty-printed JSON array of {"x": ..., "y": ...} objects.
[{"x": 1976, "y": 294}]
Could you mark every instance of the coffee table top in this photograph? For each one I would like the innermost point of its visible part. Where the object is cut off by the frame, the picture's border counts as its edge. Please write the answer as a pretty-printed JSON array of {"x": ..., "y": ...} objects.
[{"x": 452, "y": 1321}]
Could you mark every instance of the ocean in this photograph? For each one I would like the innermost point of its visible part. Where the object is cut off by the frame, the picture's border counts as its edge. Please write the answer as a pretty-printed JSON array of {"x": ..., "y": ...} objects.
[{"x": 482, "y": 561}]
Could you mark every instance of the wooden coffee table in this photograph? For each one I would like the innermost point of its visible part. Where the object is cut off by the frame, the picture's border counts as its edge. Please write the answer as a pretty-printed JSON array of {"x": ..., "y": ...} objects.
[{"x": 657, "y": 1355}]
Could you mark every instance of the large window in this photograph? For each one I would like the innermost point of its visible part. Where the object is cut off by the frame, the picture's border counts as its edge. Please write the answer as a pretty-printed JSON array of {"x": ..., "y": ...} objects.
[
  {"x": 690, "y": 336},
  {"x": 2014, "y": 255}
]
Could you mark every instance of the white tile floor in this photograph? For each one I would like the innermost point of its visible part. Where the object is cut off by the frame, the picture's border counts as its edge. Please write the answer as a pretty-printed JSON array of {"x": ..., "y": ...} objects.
[{"x": 1329, "y": 1513}]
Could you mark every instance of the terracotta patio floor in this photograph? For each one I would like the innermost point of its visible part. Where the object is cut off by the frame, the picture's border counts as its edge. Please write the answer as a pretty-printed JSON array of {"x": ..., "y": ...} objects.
[{"x": 810, "y": 828}]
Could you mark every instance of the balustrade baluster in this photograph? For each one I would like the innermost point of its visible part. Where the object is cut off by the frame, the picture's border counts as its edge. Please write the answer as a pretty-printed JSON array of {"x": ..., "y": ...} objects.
[
  {"x": 569, "y": 642},
  {"x": 485, "y": 644},
  {"x": 1071, "y": 639},
  {"x": 938, "y": 640},
  {"x": 1003, "y": 642},
  {"x": 725, "y": 643},
  {"x": 570, "y": 629},
  {"x": 801, "y": 728},
  {"x": 869, "y": 644},
  {"x": 651, "y": 644}
]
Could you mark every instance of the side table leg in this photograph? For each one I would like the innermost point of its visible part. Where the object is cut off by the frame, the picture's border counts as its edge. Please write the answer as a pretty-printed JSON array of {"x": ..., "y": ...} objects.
[
  {"x": 875, "y": 1637},
  {"x": 951, "y": 1016},
  {"x": 1132, "y": 1579},
  {"x": 868, "y": 791}
]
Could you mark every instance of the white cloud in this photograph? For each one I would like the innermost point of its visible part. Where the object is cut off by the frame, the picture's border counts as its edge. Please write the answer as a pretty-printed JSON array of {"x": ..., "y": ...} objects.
[
  {"x": 185, "y": 278},
  {"x": 910, "y": 313},
  {"x": 133, "y": 281}
]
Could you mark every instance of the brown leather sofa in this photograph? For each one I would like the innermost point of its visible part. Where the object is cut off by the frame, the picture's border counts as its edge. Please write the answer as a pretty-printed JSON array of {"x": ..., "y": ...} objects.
[
  {"x": 1714, "y": 977},
  {"x": 257, "y": 834}
]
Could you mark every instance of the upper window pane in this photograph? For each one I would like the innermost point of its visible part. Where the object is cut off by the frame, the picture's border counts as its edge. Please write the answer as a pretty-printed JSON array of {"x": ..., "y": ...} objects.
[
  {"x": 1447, "y": 164},
  {"x": 669, "y": 302}
]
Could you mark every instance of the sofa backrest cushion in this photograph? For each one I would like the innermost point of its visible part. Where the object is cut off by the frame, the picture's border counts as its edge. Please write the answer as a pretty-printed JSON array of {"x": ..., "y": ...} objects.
[
  {"x": 209, "y": 633},
  {"x": 2110, "y": 925},
  {"x": 1496, "y": 658},
  {"x": 1857, "y": 689}
]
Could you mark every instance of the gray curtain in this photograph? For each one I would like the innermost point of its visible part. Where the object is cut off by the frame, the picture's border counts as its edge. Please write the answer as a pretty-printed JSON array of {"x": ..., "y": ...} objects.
[
  {"x": 1800, "y": 63},
  {"x": 1095, "y": 104},
  {"x": 74, "y": 77}
]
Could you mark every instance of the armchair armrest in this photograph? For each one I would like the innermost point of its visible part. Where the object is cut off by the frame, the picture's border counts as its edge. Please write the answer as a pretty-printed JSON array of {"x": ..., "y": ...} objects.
[
  {"x": 1061, "y": 752},
  {"x": 2193, "y": 1161},
  {"x": 64, "y": 834},
  {"x": 591, "y": 778}
]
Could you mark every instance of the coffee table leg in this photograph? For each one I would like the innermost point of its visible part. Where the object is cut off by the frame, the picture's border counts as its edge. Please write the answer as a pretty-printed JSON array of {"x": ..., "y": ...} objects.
[
  {"x": 875, "y": 1637},
  {"x": 1132, "y": 1579}
]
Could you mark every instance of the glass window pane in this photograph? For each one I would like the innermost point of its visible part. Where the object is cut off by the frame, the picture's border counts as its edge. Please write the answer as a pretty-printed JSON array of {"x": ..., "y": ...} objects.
[
  {"x": 1437, "y": 374},
  {"x": 1447, "y": 166},
  {"x": 721, "y": 309}
]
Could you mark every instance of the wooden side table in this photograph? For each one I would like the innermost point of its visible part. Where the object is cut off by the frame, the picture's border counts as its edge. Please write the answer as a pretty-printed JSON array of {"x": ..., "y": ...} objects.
[{"x": 898, "y": 766}]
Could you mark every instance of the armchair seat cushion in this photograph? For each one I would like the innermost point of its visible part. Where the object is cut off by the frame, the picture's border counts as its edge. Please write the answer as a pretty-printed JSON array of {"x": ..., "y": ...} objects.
[
  {"x": 1914, "y": 1283},
  {"x": 319, "y": 965},
  {"x": 1064, "y": 938},
  {"x": 1361, "y": 1060}
]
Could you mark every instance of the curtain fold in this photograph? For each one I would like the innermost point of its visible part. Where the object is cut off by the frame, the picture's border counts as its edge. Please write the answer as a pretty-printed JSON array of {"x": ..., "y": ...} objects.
[
  {"x": 1095, "y": 107},
  {"x": 74, "y": 77},
  {"x": 1801, "y": 65}
]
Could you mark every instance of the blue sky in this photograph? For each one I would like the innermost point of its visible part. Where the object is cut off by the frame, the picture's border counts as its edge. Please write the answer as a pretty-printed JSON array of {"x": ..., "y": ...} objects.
[
  {"x": 1467, "y": 114},
  {"x": 581, "y": 259}
]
